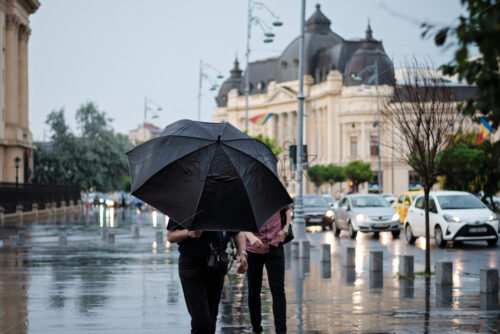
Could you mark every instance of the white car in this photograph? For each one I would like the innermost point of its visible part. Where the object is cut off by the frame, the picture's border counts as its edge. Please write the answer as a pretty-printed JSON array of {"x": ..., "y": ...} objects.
[
  {"x": 453, "y": 216},
  {"x": 389, "y": 198},
  {"x": 365, "y": 213}
]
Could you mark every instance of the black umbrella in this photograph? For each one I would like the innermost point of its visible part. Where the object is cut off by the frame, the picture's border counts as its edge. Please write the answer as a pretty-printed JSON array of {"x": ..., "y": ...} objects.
[{"x": 208, "y": 176}]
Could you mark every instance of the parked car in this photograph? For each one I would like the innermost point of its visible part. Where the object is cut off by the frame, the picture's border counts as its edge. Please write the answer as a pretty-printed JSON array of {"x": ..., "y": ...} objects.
[
  {"x": 317, "y": 211},
  {"x": 404, "y": 202},
  {"x": 329, "y": 198},
  {"x": 366, "y": 213},
  {"x": 453, "y": 216},
  {"x": 389, "y": 198}
]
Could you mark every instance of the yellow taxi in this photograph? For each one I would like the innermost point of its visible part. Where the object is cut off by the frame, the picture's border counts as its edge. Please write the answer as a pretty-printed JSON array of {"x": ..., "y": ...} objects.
[{"x": 403, "y": 203}]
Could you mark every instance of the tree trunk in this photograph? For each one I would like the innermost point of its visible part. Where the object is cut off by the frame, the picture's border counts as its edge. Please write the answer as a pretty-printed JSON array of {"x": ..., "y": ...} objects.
[
  {"x": 317, "y": 188},
  {"x": 427, "y": 232}
]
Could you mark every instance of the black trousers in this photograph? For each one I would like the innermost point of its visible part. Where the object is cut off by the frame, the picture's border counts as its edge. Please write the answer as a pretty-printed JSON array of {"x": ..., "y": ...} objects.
[
  {"x": 202, "y": 289},
  {"x": 275, "y": 267}
]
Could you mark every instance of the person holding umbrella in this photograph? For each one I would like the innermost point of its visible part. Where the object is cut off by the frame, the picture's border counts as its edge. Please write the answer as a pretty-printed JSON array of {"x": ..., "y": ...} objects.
[
  {"x": 266, "y": 248},
  {"x": 202, "y": 285}
]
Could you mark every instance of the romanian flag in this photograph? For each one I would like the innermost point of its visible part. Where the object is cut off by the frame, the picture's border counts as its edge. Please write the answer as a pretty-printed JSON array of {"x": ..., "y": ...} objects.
[
  {"x": 261, "y": 119},
  {"x": 484, "y": 131}
]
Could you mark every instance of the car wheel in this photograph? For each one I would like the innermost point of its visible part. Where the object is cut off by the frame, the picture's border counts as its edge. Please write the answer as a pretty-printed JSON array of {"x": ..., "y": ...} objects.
[
  {"x": 409, "y": 235},
  {"x": 376, "y": 235},
  {"x": 492, "y": 242},
  {"x": 438, "y": 237},
  {"x": 352, "y": 232},
  {"x": 395, "y": 234},
  {"x": 335, "y": 229}
]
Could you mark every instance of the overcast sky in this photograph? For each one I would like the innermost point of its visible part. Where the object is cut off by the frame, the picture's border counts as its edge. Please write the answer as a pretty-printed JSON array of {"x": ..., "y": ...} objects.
[{"x": 116, "y": 52}]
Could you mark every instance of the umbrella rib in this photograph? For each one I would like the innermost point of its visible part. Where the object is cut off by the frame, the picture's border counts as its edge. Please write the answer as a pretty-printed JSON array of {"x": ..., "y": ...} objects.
[
  {"x": 248, "y": 155},
  {"x": 246, "y": 193},
  {"x": 205, "y": 130},
  {"x": 204, "y": 182}
]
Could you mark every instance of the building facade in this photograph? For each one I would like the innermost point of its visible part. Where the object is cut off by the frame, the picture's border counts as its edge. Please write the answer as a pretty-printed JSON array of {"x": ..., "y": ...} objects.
[
  {"x": 15, "y": 136},
  {"x": 143, "y": 133},
  {"x": 341, "y": 110}
]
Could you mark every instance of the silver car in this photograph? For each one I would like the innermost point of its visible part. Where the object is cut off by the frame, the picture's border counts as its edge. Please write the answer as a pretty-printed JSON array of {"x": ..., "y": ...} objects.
[{"x": 365, "y": 213}]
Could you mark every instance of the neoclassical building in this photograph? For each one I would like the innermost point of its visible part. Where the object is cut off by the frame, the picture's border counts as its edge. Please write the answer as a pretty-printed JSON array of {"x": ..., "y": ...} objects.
[
  {"x": 340, "y": 123},
  {"x": 15, "y": 136}
]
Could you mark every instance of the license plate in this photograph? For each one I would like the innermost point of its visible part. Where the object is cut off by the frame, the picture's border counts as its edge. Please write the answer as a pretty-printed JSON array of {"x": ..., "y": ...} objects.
[
  {"x": 315, "y": 220},
  {"x": 477, "y": 229}
]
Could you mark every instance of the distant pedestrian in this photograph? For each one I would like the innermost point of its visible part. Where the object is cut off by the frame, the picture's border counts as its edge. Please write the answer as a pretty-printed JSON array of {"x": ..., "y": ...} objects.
[
  {"x": 202, "y": 285},
  {"x": 266, "y": 248}
]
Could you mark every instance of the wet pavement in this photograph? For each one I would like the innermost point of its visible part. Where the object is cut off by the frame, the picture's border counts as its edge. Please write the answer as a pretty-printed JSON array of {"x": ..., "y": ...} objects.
[{"x": 89, "y": 286}]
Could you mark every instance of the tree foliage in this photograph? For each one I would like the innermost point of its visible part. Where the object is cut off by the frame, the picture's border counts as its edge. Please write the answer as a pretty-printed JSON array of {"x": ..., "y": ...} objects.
[
  {"x": 358, "y": 172},
  {"x": 480, "y": 28},
  {"x": 462, "y": 168},
  {"x": 335, "y": 174},
  {"x": 317, "y": 174},
  {"x": 95, "y": 158}
]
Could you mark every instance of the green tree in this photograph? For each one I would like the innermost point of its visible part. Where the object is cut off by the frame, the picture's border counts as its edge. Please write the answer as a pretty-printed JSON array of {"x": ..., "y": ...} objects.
[
  {"x": 480, "y": 28},
  {"x": 317, "y": 174},
  {"x": 335, "y": 174},
  {"x": 271, "y": 143},
  {"x": 358, "y": 172},
  {"x": 95, "y": 158},
  {"x": 462, "y": 168}
]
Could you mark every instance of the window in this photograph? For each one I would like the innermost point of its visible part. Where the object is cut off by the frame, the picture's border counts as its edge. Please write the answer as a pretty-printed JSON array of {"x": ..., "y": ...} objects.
[
  {"x": 354, "y": 146},
  {"x": 400, "y": 200},
  {"x": 407, "y": 199},
  {"x": 419, "y": 204},
  {"x": 413, "y": 178},
  {"x": 373, "y": 145}
]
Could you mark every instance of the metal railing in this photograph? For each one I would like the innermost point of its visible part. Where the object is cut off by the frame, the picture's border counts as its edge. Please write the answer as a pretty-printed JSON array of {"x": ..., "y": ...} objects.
[{"x": 41, "y": 194}]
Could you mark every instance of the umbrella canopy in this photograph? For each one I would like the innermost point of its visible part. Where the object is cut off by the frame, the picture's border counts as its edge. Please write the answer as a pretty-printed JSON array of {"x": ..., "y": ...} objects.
[{"x": 208, "y": 176}]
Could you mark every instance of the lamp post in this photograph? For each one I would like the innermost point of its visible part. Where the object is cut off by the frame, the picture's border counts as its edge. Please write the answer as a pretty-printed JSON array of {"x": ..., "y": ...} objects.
[
  {"x": 205, "y": 75},
  {"x": 17, "y": 161},
  {"x": 269, "y": 39},
  {"x": 374, "y": 78},
  {"x": 147, "y": 103},
  {"x": 298, "y": 218}
]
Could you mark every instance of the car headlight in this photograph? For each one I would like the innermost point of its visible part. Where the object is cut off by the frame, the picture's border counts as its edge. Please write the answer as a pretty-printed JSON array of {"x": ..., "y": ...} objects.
[
  {"x": 395, "y": 217},
  {"x": 451, "y": 219},
  {"x": 493, "y": 217},
  {"x": 329, "y": 213},
  {"x": 361, "y": 218}
]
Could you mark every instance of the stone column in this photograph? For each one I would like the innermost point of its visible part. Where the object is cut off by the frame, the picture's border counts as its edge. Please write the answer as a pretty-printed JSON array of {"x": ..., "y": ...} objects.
[
  {"x": 24, "y": 33},
  {"x": 362, "y": 142},
  {"x": 11, "y": 70}
]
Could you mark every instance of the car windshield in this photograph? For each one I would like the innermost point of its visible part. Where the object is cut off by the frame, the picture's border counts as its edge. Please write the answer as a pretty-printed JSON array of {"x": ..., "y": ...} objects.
[
  {"x": 314, "y": 201},
  {"x": 369, "y": 202},
  {"x": 454, "y": 202},
  {"x": 329, "y": 199}
]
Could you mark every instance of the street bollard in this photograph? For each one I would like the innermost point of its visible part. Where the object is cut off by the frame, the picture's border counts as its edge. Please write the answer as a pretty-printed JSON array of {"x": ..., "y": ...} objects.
[
  {"x": 63, "y": 240},
  {"x": 406, "y": 266},
  {"x": 295, "y": 249},
  {"x": 104, "y": 234},
  {"x": 488, "y": 280},
  {"x": 21, "y": 236},
  {"x": 135, "y": 231},
  {"x": 111, "y": 238},
  {"x": 376, "y": 261},
  {"x": 444, "y": 272},
  {"x": 13, "y": 241},
  {"x": 304, "y": 249},
  {"x": 444, "y": 295},
  {"x": 159, "y": 238},
  {"x": 350, "y": 257},
  {"x": 326, "y": 253}
]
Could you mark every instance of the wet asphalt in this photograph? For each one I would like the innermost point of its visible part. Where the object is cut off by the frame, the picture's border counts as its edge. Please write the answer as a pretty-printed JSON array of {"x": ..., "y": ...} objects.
[{"x": 90, "y": 286}]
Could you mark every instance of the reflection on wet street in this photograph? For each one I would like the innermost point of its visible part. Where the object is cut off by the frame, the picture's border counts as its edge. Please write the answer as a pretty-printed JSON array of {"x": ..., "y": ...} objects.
[{"x": 92, "y": 286}]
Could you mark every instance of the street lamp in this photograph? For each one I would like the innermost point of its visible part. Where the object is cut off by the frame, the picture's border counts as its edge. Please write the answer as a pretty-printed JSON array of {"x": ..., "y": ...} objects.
[
  {"x": 269, "y": 39},
  {"x": 374, "y": 78},
  {"x": 147, "y": 108},
  {"x": 17, "y": 161},
  {"x": 298, "y": 217},
  {"x": 205, "y": 75}
]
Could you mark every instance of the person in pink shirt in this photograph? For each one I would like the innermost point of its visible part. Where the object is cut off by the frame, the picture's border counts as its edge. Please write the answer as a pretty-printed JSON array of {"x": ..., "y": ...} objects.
[{"x": 266, "y": 248}]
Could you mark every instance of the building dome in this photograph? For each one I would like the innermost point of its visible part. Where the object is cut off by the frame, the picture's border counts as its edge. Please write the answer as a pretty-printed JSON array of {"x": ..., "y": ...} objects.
[
  {"x": 371, "y": 51},
  {"x": 318, "y": 38},
  {"x": 232, "y": 82}
]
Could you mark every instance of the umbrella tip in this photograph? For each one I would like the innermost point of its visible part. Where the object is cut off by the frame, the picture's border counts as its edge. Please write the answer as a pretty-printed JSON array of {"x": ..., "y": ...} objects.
[{"x": 218, "y": 139}]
